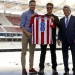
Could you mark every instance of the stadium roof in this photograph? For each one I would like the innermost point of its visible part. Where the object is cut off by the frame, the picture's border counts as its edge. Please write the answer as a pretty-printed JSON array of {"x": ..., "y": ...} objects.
[{"x": 8, "y": 6}]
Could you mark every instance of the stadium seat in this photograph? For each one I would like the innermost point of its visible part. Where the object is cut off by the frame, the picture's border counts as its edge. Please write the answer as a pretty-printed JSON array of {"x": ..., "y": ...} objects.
[
  {"x": 14, "y": 20},
  {"x": 12, "y": 29}
]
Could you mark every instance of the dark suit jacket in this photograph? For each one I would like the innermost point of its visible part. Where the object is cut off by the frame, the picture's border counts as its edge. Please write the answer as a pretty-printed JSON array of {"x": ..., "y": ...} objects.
[
  {"x": 56, "y": 20},
  {"x": 67, "y": 34}
]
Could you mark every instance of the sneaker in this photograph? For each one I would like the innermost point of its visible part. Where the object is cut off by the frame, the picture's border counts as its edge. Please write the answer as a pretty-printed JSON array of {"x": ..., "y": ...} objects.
[
  {"x": 66, "y": 73},
  {"x": 32, "y": 71},
  {"x": 55, "y": 72},
  {"x": 24, "y": 72},
  {"x": 41, "y": 72}
]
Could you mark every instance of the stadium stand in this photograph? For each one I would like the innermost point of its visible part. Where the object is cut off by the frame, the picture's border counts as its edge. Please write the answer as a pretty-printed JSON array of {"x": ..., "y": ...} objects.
[
  {"x": 12, "y": 29},
  {"x": 14, "y": 20},
  {"x": 1, "y": 29},
  {"x": 3, "y": 20}
]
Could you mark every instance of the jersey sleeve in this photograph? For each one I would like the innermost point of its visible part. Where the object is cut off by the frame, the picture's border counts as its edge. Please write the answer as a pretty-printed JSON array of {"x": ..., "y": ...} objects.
[{"x": 52, "y": 24}]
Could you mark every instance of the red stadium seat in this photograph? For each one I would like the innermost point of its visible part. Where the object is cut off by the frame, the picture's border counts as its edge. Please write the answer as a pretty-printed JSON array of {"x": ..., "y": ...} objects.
[
  {"x": 12, "y": 29},
  {"x": 14, "y": 20}
]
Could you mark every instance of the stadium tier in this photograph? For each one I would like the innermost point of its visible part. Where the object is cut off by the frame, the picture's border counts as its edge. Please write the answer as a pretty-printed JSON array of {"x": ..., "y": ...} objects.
[
  {"x": 14, "y": 20},
  {"x": 9, "y": 28},
  {"x": 12, "y": 29}
]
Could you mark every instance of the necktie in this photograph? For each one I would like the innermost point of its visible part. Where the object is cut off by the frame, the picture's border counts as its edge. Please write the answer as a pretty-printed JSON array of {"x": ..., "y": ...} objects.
[{"x": 67, "y": 21}]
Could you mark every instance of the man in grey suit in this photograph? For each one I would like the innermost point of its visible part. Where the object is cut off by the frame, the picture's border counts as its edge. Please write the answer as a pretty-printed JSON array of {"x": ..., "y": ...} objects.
[{"x": 66, "y": 34}]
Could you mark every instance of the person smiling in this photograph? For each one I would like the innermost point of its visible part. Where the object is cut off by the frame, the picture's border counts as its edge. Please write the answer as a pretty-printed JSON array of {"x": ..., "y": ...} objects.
[
  {"x": 26, "y": 38},
  {"x": 66, "y": 34},
  {"x": 49, "y": 8}
]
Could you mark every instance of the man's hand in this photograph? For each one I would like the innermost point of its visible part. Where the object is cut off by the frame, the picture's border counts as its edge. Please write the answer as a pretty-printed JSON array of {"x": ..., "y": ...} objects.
[
  {"x": 58, "y": 42},
  {"x": 52, "y": 17},
  {"x": 33, "y": 15},
  {"x": 28, "y": 34}
]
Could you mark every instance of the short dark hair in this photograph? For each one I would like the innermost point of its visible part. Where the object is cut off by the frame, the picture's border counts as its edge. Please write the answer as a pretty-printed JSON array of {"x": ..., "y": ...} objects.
[
  {"x": 51, "y": 4},
  {"x": 66, "y": 6},
  {"x": 31, "y": 1}
]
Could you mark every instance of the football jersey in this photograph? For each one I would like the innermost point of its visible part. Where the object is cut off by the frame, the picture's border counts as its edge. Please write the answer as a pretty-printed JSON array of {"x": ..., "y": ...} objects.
[{"x": 41, "y": 29}]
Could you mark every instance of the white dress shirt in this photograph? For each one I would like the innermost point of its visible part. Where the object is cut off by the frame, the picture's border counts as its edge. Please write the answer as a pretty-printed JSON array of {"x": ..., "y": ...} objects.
[{"x": 68, "y": 18}]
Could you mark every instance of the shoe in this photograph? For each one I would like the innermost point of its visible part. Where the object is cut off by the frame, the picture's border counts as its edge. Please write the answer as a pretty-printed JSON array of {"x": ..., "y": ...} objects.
[
  {"x": 41, "y": 72},
  {"x": 32, "y": 71},
  {"x": 66, "y": 73},
  {"x": 24, "y": 72},
  {"x": 73, "y": 73},
  {"x": 55, "y": 72}
]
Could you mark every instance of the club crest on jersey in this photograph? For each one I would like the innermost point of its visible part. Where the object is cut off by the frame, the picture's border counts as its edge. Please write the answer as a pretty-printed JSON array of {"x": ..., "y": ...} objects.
[{"x": 42, "y": 26}]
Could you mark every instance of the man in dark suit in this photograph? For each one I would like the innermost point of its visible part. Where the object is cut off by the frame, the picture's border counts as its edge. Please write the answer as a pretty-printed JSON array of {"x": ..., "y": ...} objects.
[
  {"x": 49, "y": 7},
  {"x": 66, "y": 34}
]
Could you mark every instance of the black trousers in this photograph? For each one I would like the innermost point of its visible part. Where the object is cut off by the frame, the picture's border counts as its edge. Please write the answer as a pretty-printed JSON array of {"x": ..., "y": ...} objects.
[{"x": 53, "y": 55}]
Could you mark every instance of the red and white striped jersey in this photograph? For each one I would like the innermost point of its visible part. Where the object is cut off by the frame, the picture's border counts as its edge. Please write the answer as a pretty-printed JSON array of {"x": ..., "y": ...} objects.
[{"x": 41, "y": 29}]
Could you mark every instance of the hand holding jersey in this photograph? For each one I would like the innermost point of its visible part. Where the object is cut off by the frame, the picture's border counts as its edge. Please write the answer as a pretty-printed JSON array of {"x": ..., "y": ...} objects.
[{"x": 52, "y": 17}]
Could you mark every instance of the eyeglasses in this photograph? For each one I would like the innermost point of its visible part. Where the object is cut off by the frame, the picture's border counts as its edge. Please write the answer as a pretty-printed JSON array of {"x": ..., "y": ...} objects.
[
  {"x": 32, "y": 5},
  {"x": 49, "y": 7}
]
